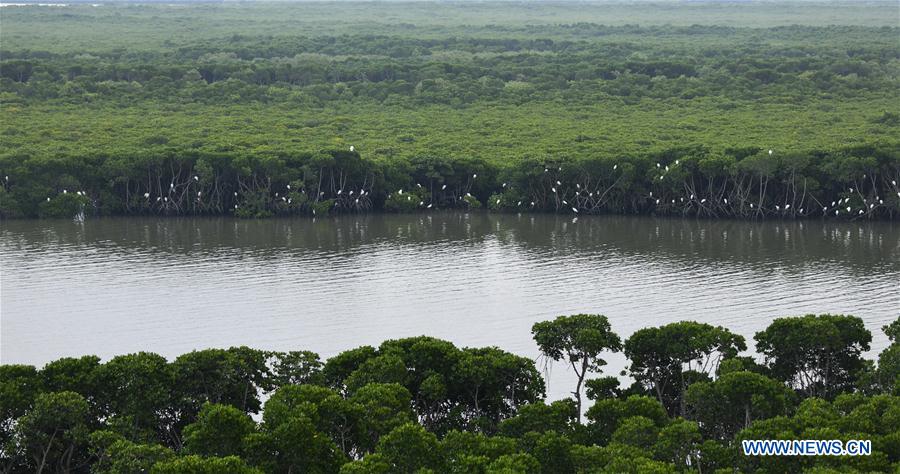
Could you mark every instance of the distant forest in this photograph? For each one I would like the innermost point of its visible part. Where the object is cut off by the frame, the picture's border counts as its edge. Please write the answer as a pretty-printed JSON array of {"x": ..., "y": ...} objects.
[{"x": 710, "y": 109}]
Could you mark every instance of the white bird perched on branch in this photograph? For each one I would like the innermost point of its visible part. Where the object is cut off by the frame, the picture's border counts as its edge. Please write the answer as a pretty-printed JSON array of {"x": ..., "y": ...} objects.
[
  {"x": 443, "y": 187},
  {"x": 575, "y": 210},
  {"x": 615, "y": 166},
  {"x": 474, "y": 175},
  {"x": 351, "y": 148},
  {"x": 196, "y": 178},
  {"x": 553, "y": 189},
  {"x": 770, "y": 152},
  {"x": 146, "y": 195}
]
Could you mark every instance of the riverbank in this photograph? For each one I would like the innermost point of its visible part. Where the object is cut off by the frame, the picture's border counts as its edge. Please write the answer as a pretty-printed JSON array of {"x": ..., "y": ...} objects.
[{"x": 753, "y": 183}]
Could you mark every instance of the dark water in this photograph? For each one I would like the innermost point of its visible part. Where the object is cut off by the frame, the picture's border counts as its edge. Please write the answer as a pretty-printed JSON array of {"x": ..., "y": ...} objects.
[{"x": 114, "y": 286}]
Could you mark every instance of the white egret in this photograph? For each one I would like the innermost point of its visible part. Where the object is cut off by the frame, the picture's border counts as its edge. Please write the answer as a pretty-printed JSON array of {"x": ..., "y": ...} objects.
[
  {"x": 289, "y": 186},
  {"x": 443, "y": 187},
  {"x": 692, "y": 197},
  {"x": 200, "y": 192},
  {"x": 565, "y": 202},
  {"x": 504, "y": 185},
  {"x": 770, "y": 152},
  {"x": 146, "y": 195},
  {"x": 400, "y": 192},
  {"x": 801, "y": 210},
  {"x": 553, "y": 189},
  {"x": 787, "y": 206},
  {"x": 428, "y": 206},
  {"x": 65, "y": 192},
  {"x": 751, "y": 205},
  {"x": 657, "y": 201},
  {"x": 667, "y": 167},
  {"x": 340, "y": 191},
  {"x": 658, "y": 165},
  {"x": 196, "y": 178},
  {"x": 468, "y": 195},
  {"x": 777, "y": 207},
  {"x": 726, "y": 200},
  {"x": 421, "y": 203},
  {"x": 848, "y": 208},
  {"x": 498, "y": 201},
  {"x": 558, "y": 183},
  {"x": 351, "y": 148},
  {"x": 474, "y": 175},
  {"x": 615, "y": 166},
  {"x": 519, "y": 203},
  {"x": 860, "y": 211},
  {"x": 235, "y": 193},
  {"x": 676, "y": 162},
  {"x": 532, "y": 203},
  {"x": 48, "y": 199},
  {"x": 702, "y": 200},
  {"x": 575, "y": 210}
]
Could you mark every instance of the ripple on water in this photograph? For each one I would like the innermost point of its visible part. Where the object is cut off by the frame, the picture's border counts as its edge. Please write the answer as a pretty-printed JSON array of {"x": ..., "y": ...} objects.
[{"x": 113, "y": 286}]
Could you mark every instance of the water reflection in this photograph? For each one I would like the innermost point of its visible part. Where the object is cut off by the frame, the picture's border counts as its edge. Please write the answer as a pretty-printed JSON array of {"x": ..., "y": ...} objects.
[{"x": 112, "y": 286}]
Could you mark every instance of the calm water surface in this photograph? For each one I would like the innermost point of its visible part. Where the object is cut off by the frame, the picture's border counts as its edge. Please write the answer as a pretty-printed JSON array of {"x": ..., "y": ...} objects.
[{"x": 113, "y": 286}]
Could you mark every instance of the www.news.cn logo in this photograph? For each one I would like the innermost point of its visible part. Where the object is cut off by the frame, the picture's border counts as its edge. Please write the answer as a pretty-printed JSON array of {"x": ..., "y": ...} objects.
[{"x": 806, "y": 447}]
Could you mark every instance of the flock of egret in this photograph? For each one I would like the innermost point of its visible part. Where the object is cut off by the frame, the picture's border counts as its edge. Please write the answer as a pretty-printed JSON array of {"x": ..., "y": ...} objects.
[{"x": 582, "y": 199}]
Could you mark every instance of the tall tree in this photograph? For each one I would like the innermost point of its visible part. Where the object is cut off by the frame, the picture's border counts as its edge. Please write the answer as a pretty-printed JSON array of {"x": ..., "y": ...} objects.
[
  {"x": 666, "y": 359},
  {"x": 819, "y": 355},
  {"x": 580, "y": 340}
]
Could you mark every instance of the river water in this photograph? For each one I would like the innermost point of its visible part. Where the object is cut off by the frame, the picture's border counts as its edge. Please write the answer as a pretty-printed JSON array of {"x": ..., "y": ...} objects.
[{"x": 167, "y": 285}]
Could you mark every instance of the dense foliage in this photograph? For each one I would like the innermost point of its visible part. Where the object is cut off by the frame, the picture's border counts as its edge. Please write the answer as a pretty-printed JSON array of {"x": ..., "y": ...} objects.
[
  {"x": 261, "y": 110},
  {"x": 424, "y": 405}
]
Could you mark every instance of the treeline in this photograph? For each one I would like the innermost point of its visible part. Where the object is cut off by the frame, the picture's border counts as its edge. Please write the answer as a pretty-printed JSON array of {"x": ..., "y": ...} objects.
[
  {"x": 706, "y": 61},
  {"x": 424, "y": 405},
  {"x": 855, "y": 183}
]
